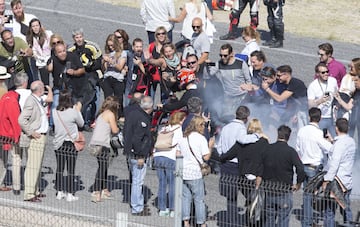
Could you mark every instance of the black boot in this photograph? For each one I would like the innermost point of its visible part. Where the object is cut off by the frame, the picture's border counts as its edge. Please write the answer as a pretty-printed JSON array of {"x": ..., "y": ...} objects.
[
  {"x": 228, "y": 36},
  {"x": 277, "y": 44}
]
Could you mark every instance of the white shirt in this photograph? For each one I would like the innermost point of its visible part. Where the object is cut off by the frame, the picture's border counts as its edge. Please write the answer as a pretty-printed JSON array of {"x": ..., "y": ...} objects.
[
  {"x": 178, "y": 135},
  {"x": 311, "y": 145},
  {"x": 250, "y": 47},
  {"x": 155, "y": 13},
  {"x": 199, "y": 145},
  {"x": 341, "y": 160},
  {"x": 232, "y": 132},
  {"x": 317, "y": 89},
  {"x": 17, "y": 27},
  {"x": 24, "y": 94}
]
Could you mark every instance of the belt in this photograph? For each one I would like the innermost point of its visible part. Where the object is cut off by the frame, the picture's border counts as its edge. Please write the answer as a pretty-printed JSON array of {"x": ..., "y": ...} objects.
[{"x": 312, "y": 166}]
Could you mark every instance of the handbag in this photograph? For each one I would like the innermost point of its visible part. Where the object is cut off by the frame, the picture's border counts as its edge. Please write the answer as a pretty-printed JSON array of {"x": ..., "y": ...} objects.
[
  {"x": 164, "y": 140},
  {"x": 80, "y": 142},
  {"x": 95, "y": 150},
  {"x": 204, "y": 167}
]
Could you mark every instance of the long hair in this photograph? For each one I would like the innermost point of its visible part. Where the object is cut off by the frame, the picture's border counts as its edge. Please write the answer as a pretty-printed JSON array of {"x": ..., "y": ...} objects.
[
  {"x": 125, "y": 37},
  {"x": 116, "y": 45},
  {"x": 64, "y": 100},
  {"x": 176, "y": 118},
  {"x": 110, "y": 103},
  {"x": 58, "y": 37},
  {"x": 252, "y": 33},
  {"x": 30, "y": 34},
  {"x": 196, "y": 125}
]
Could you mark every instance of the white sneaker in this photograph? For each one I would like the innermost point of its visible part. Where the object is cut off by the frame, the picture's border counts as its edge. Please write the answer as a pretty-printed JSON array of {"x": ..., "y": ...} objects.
[
  {"x": 172, "y": 214},
  {"x": 164, "y": 213},
  {"x": 60, "y": 195},
  {"x": 70, "y": 197}
]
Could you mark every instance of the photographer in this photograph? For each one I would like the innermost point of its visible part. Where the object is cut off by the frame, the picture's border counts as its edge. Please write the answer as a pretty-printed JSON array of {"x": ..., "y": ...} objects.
[{"x": 15, "y": 50}]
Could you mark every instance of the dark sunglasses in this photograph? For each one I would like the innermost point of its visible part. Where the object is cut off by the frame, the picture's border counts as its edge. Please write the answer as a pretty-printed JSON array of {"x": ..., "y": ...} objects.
[
  {"x": 119, "y": 37},
  {"x": 57, "y": 42},
  {"x": 191, "y": 62},
  {"x": 324, "y": 72},
  {"x": 196, "y": 27},
  {"x": 161, "y": 33},
  {"x": 223, "y": 55}
]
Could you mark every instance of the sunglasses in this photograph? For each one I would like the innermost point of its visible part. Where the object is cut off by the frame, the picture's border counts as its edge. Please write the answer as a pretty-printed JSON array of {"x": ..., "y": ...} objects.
[
  {"x": 161, "y": 33},
  {"x": 195, "y": 27},
  {"x": 223, "y": 55},
  {"x": 57, "y": 42},
  {"x": 324, "y": 72},
  {"x": 191, "y": 62},
  {"x": 119, "y": 37}
]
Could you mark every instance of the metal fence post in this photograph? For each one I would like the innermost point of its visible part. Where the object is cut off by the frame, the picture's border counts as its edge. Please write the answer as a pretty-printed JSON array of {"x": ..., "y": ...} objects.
[{"x": 178, "y": 191}]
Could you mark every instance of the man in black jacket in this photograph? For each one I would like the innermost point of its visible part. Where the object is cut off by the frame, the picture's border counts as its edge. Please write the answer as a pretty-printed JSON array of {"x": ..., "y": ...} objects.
[
  {"x": 137, "y": 146},
  {"x": 278, "y": 172}
]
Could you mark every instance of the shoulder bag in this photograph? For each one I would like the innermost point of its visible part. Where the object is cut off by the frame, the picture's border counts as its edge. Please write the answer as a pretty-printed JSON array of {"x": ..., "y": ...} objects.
[
  {"x": 204, "y": 167},
  {"x": 80, "y": 142},
  {"x": 164, "y": 140}
]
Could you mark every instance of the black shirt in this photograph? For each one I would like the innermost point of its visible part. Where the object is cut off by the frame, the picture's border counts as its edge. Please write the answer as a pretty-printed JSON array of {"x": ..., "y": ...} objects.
[
  {"x": 279, "y": 160},
  {"x": 60, "y": 78}
]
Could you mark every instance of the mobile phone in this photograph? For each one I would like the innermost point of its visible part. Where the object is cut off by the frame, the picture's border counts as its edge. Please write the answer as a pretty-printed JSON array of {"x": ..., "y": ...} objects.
[
  {"x": 325, "y": 133},
  {"x": 210, "y": 63}
]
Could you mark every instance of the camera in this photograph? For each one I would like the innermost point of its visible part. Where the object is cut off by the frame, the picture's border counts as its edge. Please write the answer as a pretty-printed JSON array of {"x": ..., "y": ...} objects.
[{"x": 325, "y": 133}]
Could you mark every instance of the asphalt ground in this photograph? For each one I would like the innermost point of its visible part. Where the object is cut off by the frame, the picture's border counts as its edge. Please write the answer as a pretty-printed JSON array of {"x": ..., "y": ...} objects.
[{"x": 98, "y": 20}]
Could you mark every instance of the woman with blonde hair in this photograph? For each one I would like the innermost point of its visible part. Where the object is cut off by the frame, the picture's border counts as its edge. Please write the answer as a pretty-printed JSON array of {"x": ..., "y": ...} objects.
[
  {"x": 106, "y": 124},
  {"x": 192, "y": 9},
  {"x": 251, "y": 38},
  {"x": 194, "y": 148},
  {"x": 249, "y": 162},
  {"x": 164, "y": 162},
  {"x": 113, "y": 65},
  {"x": 155, "y": 47}
]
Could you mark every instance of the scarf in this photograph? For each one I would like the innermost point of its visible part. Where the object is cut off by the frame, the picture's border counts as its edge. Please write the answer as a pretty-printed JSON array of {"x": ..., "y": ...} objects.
[{"x": 173, "y": 63}]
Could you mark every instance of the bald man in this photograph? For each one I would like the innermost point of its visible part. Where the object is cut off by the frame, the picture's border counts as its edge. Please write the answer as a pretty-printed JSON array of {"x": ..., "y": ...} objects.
[
  {"x": 200, "y": 41},
  {"x": 34, "y": 124}
]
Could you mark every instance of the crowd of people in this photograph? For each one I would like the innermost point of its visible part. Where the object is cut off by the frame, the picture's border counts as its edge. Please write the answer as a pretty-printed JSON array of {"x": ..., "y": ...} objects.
[{"x": 50, "y": 86}]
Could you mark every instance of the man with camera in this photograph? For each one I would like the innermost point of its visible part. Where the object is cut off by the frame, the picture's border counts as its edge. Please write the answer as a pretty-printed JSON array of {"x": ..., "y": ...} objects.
[
  {"x": 14, "y": 51},
  {"x": 311, "y": 147},
  {"x": 321, "y": 94}
]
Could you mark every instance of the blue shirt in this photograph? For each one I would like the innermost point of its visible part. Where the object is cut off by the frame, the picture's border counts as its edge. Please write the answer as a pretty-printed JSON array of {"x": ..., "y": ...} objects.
[
  {"x": 232, "y": 132},
  {"x": 341, "y": 160}
]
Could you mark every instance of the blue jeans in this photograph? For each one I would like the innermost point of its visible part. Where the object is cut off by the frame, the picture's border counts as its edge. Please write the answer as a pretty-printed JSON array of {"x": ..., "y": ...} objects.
[
  {"x": 329, "y": 124},
  {"x": 278, "y": 205},
  {"x": 310, "y": 172},
  {"x": 194, "y": 189},
  {"x": 138, "y": 176},
  {"x": 329, "y": 213},
  {"x": 165, "y": 168},
  {"x": 54, "y": 104}
]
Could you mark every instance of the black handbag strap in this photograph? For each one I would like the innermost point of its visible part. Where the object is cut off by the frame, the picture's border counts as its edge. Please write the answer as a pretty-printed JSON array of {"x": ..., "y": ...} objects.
[{"x": 193, "y": 152}]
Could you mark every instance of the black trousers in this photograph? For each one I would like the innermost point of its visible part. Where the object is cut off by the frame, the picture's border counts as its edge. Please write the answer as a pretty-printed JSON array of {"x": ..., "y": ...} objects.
[
  {"x": 102, "y": 172},
  {"x": 66, "y": 154}
]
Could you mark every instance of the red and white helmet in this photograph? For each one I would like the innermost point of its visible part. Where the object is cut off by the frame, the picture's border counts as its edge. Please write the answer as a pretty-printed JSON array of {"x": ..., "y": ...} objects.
[{"x": 185, "y": 76}]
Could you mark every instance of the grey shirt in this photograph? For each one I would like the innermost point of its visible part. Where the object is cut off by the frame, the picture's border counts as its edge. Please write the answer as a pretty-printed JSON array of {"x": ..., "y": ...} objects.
[{"x": 72, "y": 119}]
